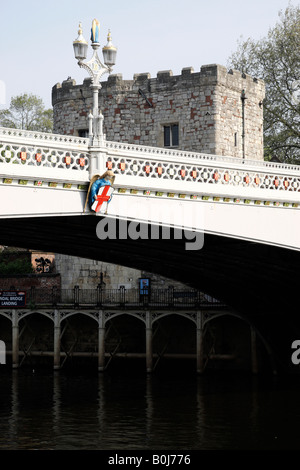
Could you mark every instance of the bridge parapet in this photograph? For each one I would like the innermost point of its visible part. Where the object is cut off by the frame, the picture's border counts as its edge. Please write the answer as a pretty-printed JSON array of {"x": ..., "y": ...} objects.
[
  {"x": 34, "y": 157},
  {"x": 29, "y": 154},
  {"x": 159, "y": 168},
  {"x": 22, "y": 136}
]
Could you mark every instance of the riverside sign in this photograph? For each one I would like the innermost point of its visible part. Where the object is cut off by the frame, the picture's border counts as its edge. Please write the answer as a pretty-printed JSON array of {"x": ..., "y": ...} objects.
[{"x": 12, "y": 299}]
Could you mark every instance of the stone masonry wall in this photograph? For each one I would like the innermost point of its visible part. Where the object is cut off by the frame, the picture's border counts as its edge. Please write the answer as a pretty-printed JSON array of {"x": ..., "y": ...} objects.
[
  {"x": 87, "y": 274},
  {"x": 25, "y": 282},
  {"x": 206, "y": 105}
]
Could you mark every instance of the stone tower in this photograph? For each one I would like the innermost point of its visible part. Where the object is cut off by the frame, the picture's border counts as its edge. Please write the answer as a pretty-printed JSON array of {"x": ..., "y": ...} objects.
[{"x": 212, "y": 111}]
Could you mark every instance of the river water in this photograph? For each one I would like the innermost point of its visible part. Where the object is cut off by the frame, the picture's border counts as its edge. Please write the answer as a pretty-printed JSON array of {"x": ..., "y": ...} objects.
[{"x": 120, "y": 411}]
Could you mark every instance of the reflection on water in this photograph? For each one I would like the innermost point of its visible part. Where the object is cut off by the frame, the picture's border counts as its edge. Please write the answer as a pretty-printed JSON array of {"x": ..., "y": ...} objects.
[{"x": 117, "y": 412}]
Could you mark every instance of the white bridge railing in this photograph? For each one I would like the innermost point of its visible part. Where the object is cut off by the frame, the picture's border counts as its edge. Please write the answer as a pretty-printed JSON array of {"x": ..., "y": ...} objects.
[
  {"x": 177, "y": 165},
  {"x": 33, "y": 155}
]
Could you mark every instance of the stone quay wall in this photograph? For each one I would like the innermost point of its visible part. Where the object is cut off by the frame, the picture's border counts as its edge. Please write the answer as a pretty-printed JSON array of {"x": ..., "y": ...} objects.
[
  {"x": 88, "y": 274},
  {"x": 208, "y": 107}
]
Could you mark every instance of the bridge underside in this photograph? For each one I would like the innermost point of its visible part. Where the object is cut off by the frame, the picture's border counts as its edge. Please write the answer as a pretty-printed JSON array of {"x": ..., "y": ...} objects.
[{"x": 259, "y": 281}]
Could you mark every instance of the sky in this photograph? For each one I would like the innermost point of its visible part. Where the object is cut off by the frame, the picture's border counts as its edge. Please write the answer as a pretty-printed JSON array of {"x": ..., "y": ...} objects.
[{"x": 37, "y": 37}]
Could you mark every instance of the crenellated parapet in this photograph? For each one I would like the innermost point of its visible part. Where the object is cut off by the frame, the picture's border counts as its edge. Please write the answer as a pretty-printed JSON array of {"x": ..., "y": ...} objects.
[
  {"x": 208, "y": 75},
  {"x": 206, "y": 106}
]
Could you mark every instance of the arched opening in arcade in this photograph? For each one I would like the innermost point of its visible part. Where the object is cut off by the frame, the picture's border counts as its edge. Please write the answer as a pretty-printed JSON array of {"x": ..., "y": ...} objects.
[
  {"x": 78, "y": 341},
  {"x": 125, "y": 343},
  {"x": 35, "y": 340},
  {"x": 6, "y": 337},
  {"x": 231, "y": 343},
  {"x": 174, "y": 343}
]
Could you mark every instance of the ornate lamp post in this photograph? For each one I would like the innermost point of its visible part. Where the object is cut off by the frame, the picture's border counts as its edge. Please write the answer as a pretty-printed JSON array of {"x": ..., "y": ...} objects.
[{"x": 96, "y": 69}]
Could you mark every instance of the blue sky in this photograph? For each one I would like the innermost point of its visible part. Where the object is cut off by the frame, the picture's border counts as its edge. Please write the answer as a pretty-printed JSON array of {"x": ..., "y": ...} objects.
[{"x": 36, "y": 37}]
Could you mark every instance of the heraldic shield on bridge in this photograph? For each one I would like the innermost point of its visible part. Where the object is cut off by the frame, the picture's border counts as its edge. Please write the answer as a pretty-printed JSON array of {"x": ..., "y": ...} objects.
[{"x": 100, "y": 192}]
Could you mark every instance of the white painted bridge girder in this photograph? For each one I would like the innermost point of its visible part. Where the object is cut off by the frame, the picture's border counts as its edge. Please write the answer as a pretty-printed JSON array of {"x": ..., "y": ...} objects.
[{"x": 47, "y": 175}]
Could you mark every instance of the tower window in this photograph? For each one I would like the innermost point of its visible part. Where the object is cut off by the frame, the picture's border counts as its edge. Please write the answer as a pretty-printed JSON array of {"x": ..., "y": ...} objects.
[
  {"x": 235, "y": 139},
  {"x": 171, "y": 135},
  {"x": 83, "y": 132}
]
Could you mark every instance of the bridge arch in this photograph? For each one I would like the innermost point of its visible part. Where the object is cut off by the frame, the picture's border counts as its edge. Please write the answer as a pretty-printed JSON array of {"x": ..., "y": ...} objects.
[
  {"x": 75, "y": 340},
  {"x": 122, "y": 338},
  {"x": 7, "y": 315},
  {"x": 6, "y": 337},
  {"x": 259, "y": 281},
  {"x": 24, "y": 314},
  {"x": 174, "y": 340},
  {"x": 138, "y": 315},
  {"x": 255, "y": 335},
  {"x": 188, "y": 316},
  {"x": 64, "y": 316},
  {"x": 35, "y": 338}
]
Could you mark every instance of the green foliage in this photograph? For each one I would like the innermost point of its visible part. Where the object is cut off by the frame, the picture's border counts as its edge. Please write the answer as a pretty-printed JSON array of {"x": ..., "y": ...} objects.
[
  {"x": 275, "y": 59},
  {"x": 18, "y": 266},
  {"x": 27, "y": 111}
]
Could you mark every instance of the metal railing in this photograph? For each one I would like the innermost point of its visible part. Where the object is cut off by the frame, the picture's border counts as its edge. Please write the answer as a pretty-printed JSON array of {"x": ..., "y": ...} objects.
[{"x": 119, "y": 298}]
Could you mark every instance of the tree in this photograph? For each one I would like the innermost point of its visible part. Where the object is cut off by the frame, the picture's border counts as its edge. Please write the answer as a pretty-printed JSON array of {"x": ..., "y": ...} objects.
[
  {"x": 17, "y": 266},
  {"x": 27, "y": 111},
  {"x": 276, "y": 60}
]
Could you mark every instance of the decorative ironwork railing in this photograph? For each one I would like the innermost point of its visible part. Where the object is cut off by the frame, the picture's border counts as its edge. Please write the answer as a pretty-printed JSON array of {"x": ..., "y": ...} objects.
[
  {"x": 164, "y": 164},
  {"x": 51, "y": 152},
  {"x": 161, "y": 153},
  {"x": 119, "y": 298},
  {"x": 21, "y": 135},
  {"x": 39, "y": 149}
]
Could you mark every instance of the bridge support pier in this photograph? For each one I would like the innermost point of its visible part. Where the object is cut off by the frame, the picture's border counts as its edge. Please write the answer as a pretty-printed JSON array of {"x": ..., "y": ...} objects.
[
  {"x": 101, "y": 342},
  {"x": 15, "y": 340},
  {"x": 57, "y": 335},
  {"x": 149, "y": 354}
]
